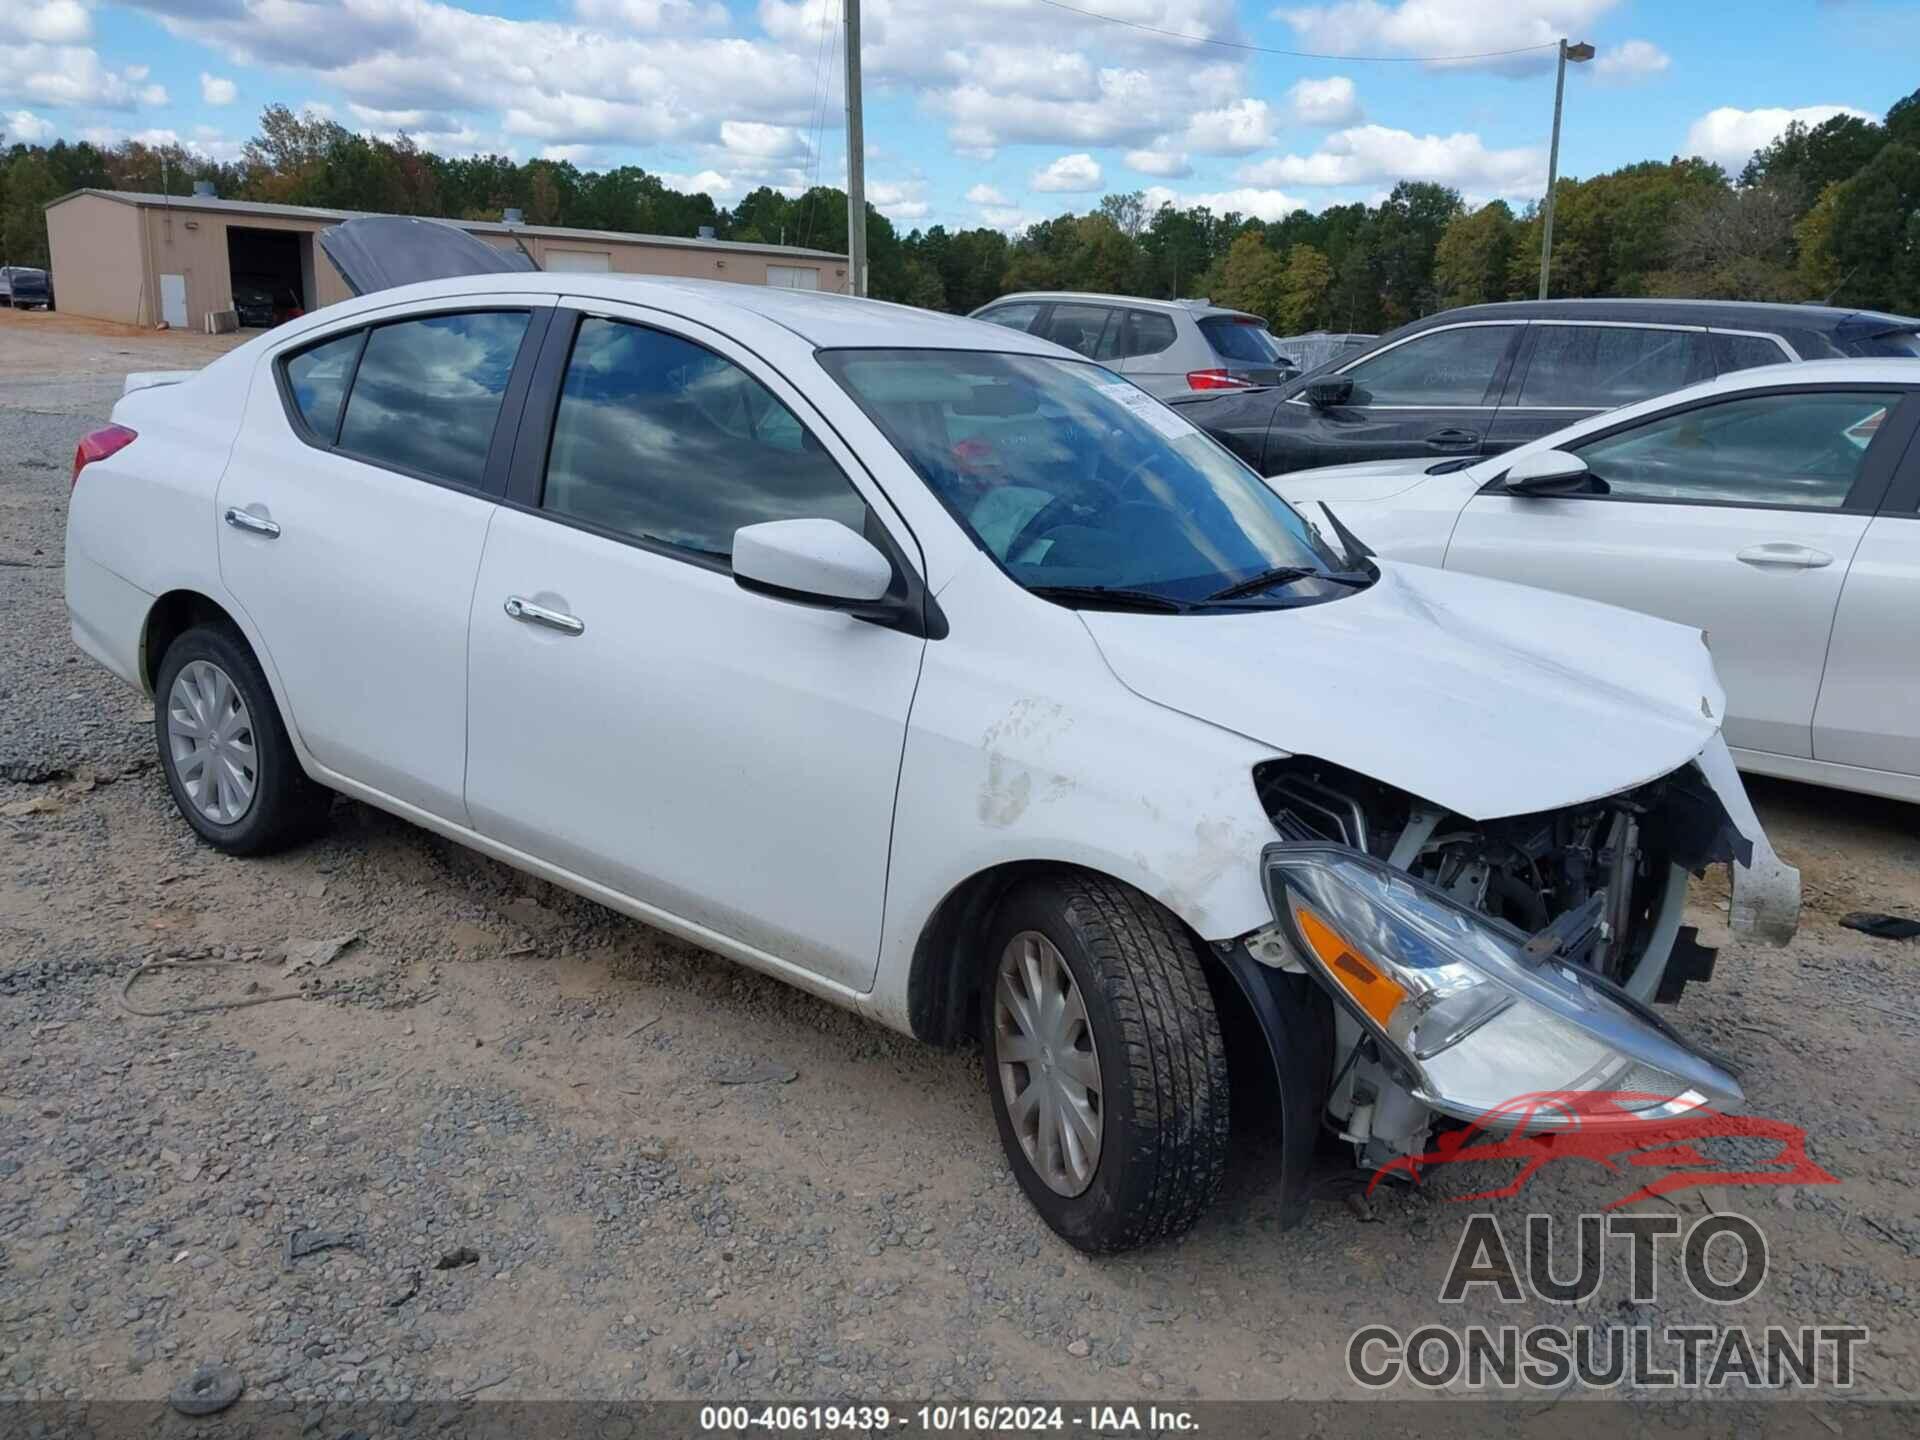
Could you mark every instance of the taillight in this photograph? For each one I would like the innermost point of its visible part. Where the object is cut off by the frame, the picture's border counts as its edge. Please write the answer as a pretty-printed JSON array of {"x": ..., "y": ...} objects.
[
  {"x": 108, "y": 440},
  {"x": 1216, "y": 380}
]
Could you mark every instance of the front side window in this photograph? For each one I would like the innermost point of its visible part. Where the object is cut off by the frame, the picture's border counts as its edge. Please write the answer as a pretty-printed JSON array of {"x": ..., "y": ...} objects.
[
  {"x": 1070, "y": 477},
  {"x": 1014, "y": 317},
  {"x": 428, "y": 392},
  {"x": 662, "y": 440},
  {"x": 1596, "y": 367},
  {"x": 318, "y": 380},
  {"x": 1443, "y": 367},
  {"x": 1088, "y": 329},
  {"x": 1764, "y": 450}
]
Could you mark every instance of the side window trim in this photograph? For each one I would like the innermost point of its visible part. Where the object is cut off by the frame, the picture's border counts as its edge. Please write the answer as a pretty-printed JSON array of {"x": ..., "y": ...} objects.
[
  {"x": 1900, "y": 495},
  {"x": 1780, "y": 341},
  {"x": 1866, "y": 496},
  {"x": 494, "y": 470}
]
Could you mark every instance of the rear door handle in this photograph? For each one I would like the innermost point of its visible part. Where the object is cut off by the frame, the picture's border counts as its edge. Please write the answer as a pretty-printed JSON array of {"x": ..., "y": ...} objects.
[
  {"x": 532, "y": 614},
  {"x": 1453, "y": 439},
  {"x": 1779, "y": 555},
  {"x": 253, "y": 524}
]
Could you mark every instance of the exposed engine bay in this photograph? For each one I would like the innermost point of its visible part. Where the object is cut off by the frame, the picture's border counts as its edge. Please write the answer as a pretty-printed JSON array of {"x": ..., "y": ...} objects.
[{"x": 1595, "y": 889}]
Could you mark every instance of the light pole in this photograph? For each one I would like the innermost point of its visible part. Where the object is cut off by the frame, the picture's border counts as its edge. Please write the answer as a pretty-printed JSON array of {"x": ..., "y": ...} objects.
[
  {"x": 856, "y": 161},
  {"x": 1579, "y": 54}
]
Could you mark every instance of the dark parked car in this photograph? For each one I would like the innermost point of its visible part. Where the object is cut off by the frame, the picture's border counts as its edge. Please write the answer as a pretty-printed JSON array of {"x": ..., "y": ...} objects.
[
  {"x": 1484, "y": 378},
  {"x": 24, "y": 287}
]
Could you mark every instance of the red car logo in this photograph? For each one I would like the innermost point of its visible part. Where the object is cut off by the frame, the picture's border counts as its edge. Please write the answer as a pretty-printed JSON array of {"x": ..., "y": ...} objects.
[{"x": 1608, "y": 1128}]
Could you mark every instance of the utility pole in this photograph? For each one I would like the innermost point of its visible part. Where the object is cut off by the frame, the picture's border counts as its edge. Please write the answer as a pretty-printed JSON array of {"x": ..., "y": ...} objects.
[
  {"x": 1578, "y": 54},
  {"x": 856, "y": 162}
]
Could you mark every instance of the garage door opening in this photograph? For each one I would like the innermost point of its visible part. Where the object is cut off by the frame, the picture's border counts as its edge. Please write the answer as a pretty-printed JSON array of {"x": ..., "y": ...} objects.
[{"x": 272, "y": 274}]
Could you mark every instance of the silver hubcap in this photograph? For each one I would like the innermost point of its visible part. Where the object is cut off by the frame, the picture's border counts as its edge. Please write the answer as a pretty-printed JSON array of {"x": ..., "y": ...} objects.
[
  {"x": 1049, "y": 1069},
  {"x": 210, "y": 737}
]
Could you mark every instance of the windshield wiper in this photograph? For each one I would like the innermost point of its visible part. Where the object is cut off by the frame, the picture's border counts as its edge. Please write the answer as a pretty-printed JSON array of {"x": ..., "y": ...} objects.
[
  {"x": 1109, "y": 597},
  {"x": 1287, "y": 575}
]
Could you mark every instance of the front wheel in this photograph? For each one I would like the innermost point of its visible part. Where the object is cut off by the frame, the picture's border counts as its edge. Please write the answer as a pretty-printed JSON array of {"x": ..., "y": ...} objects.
[{"x": 1104, "y": 1061}]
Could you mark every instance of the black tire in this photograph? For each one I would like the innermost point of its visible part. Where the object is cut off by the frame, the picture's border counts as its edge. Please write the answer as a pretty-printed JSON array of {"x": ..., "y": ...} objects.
[
  {"x": 1163, "y": 1062},
  {"x": 287, "y": 806}
]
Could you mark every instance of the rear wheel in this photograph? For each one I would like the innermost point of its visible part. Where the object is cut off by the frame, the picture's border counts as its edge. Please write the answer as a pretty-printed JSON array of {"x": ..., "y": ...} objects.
[
  {"x": 1104, "y": 1061},
  {"x": 223, "y": 747}
]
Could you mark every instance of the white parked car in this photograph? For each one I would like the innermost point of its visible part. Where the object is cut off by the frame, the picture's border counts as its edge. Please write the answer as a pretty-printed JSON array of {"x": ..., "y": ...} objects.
[
  {"x": 944, "y": 674},
  {"x": 1778, "y": 509}
]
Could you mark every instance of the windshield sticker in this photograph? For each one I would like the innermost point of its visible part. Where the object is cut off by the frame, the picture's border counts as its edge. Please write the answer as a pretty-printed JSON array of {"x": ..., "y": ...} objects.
[{"x": 1145, "y": 407}]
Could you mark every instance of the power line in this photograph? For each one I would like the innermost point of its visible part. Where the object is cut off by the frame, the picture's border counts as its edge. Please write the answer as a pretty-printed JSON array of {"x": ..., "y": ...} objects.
[{"x": 1297, "y": 54}]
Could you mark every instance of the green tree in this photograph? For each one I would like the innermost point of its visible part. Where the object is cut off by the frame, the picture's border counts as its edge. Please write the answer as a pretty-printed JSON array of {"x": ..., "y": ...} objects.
[
  {"x": 1251, "y": 277},
  {"x": 1475, "y": 253},
  {"x": 1305, "y": 286},
  {"x": 1817, "y": 272},
  {"x": 1876, "y": 232},
  {"x": 1803, "y": 160},
  {"x": 30, "y": 184}
]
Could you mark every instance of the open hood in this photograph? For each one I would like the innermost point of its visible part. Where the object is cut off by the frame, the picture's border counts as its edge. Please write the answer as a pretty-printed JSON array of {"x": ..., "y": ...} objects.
[
  {"x": 1480, "y": 696},
  {"x": 378, "y": 252}
]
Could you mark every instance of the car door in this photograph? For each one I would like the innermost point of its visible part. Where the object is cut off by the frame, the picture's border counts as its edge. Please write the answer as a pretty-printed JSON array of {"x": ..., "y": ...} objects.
[
  {"x": 354, "y": 506},
  {"x": 1869, "y": 708},
  {"x": 1737, "y": 514},
  {"x": 723, "y": 757},
  {"x": 1434, "y": 394},
  {"x": 1568, "y": 370}
]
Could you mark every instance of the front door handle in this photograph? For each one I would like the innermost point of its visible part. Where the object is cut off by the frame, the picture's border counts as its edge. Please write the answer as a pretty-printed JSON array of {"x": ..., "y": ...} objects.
[
  {"x": 1453, "y": 439},
  {"x": 253, "y": 524},
  {"x": 1779, "y": 555},
  {"x": 534, "y": 614}
]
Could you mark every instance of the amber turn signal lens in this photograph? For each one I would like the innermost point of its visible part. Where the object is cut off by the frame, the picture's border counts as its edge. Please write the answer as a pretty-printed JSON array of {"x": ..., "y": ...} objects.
[{"x": 1371, "y": 990}]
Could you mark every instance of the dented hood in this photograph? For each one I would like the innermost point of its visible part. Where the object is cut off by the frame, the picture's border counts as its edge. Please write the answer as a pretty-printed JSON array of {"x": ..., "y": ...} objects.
[{"x": 1487, "y": 698}]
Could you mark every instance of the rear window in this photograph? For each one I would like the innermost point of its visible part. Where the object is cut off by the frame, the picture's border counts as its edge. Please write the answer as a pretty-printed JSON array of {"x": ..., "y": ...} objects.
[
  {"x": 1599, "y": 366},
  {"x": 1243, "y": 340},
  {"x": 1748, "y": 352}
]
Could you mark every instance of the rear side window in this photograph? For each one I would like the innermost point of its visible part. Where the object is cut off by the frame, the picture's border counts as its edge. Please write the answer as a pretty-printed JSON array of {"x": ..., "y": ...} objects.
[
  {"x": 1089, "y": 329},
  {"x": 1014, "y": 317},
  {"x": 318, "y": 379},
  {"x": 1747, "y": 352},
  {"x": 1146, "y": 333},
  {"x": 1442, "y": 367},
  {"x": 428, "y": 392},
  {"x": 1596, "y": 367},
  {"x": 659, "y": 439},
  {"x": 1244, "y": 340},
  {"x": 1763, "y": 450}
]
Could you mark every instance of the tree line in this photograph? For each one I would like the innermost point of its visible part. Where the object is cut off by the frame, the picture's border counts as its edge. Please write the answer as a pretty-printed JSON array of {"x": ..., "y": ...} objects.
[{"x": 1829, "y": 212}]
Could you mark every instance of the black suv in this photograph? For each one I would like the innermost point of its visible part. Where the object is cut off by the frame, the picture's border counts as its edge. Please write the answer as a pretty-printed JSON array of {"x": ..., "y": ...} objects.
[{"x": 1484, "y": 378}]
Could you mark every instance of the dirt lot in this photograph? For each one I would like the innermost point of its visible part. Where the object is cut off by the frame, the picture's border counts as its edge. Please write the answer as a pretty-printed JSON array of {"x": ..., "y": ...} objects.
[{"x": 497, "y": 1066}]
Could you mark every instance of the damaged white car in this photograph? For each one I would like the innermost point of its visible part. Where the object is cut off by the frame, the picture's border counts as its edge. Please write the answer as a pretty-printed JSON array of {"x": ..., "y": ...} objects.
[{"x": 946, "y": 675}]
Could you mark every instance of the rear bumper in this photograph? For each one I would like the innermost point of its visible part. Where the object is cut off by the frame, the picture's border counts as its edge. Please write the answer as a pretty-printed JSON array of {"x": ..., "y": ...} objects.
[{"x": 109, "y": 616}]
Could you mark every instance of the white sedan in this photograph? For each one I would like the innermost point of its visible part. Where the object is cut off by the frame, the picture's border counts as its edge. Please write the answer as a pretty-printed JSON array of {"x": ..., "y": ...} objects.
[
  {"x": 1778, "y": 509},
  {"x": 944, "y": 674}
]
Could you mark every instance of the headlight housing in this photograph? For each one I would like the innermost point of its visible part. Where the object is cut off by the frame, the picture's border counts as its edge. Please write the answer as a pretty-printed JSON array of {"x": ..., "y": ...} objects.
[{"x": 1457, "y": 1000}]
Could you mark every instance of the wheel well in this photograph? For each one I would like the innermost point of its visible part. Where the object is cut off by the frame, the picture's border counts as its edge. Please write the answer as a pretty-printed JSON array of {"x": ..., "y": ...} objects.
[{"x": 172, "y": 615}]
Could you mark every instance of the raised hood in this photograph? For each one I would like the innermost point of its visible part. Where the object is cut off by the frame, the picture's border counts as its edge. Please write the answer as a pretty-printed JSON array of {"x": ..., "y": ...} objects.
[
  {"x": 1487, "y": 698},
  {"x": 378, "y": 252}
]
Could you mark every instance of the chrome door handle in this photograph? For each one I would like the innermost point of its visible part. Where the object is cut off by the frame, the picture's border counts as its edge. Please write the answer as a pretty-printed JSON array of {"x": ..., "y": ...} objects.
[
  {"x": 1781, "y": 556},
  {"x": 252, "y": 523},
  {"x": 534, "y": 614}
]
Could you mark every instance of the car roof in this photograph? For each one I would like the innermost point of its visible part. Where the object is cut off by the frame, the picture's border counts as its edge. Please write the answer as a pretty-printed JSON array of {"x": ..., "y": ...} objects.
[
  {"x": 1724, "y": 314},
  {"x": 1199, "y": 309},
  {"x": 822, "y": 318},
  {"x": 1865, "y": 370}
]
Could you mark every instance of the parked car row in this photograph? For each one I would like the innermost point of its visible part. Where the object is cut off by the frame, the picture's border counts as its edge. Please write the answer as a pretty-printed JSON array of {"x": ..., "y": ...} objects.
[
  {"x": 944, "y": 672},
  {"x": 24, "y": 287}
]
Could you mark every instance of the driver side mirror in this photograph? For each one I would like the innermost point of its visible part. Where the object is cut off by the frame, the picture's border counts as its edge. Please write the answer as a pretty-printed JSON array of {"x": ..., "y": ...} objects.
[
  {"x": 810, "y": 562},
  {"x": 1547, "y": 473},
  {"x": 1326, "y": 394}
]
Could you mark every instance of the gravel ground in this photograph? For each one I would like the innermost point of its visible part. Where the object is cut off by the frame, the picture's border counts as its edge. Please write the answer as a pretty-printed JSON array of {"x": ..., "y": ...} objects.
[{"x": 500, "y": 1070}]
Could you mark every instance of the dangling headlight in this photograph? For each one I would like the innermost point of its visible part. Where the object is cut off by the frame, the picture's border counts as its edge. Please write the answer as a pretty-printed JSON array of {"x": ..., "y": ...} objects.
[{"x": 1455, "y": 996}]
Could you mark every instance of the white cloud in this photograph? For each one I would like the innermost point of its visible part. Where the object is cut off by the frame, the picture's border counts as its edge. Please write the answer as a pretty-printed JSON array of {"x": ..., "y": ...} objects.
[
  {"x": 567, "y": 154},
  {"x": 1070, "y": 174},
  {"x": 899, "y": 199},
  {"x": 1374, "y": 154},
  {"x": 1261, "y": 204},
  {"x": 27, "y": 128},
  {"x": 984, "y": 194},
  {"x": 722, "y": 188},
  {"x": 1730, "y": 136},
  {"x": 1331, "y": 101},
  {"x": 1447, "y": 27},
  {"x": 53, "y": 22},
  {"x": 765, "y": 142},
  {"x": 1166, "y": 164},
  {"x": 1237, "y": 129},
  {"x": 73, "y": 75},
  {"x": 217, "y": 89},
  {"x": 1631, "y": 61},
  {"x": 651, "y": 16}
]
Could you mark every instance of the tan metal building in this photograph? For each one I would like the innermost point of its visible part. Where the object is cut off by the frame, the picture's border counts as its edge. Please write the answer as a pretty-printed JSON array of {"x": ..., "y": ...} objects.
[{"x": 143, "y": 259}]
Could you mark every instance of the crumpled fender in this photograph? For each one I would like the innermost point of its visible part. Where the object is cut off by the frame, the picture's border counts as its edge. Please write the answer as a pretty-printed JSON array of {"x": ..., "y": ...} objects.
[{"x": 1766, "y": 890}]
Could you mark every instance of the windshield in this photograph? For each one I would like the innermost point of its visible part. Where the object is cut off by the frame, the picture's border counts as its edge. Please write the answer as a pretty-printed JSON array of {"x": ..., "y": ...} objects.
[{"x": 1070, "y": 476}]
